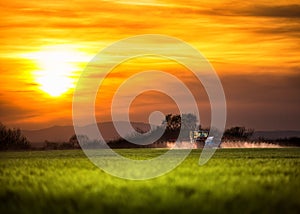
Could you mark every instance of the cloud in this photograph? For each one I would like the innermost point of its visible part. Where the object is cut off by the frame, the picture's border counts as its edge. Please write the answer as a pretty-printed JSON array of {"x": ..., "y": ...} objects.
[
  {"x": 263, "y": 100},
  {"x": 278, "y": 11},
  {"x": 10, "y": 112},
  {"x": 287, "y": 30},
  {"x": 247, "y": 37}
]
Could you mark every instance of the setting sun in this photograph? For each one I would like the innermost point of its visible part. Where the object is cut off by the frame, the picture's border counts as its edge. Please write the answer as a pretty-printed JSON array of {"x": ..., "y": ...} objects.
[
  {"x": 57, "y": 68},
  {"x": 253, "y": 46}
]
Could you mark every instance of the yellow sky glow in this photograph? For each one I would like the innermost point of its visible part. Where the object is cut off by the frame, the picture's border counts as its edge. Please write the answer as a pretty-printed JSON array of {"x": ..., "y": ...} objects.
[{"x": 58, "y": 66}]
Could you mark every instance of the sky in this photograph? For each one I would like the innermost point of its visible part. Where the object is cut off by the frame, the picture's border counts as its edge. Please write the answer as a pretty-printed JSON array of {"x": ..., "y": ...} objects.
[{"x": 253, "y": 46}]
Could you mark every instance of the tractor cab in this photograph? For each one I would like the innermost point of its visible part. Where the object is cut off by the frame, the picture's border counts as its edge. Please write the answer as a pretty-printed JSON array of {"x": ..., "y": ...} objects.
[
  {"x": 202, "y": 138},
  {"x": 199, "y": 136}
]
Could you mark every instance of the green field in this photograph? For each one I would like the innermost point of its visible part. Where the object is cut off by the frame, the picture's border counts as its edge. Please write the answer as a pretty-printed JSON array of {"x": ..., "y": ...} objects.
[{"x": 233, "y": 181}]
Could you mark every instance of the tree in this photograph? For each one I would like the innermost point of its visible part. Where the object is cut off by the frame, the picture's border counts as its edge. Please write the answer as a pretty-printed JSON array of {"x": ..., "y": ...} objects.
[
  {"x": 12, "y": 139},
  {"x": 173, "y": 122},
  {"x": 189, "y": 121},
  {"x": 238, "y": 133},
  {"x": 74, "y": 140},
  {"x": 179, "y": 126}
]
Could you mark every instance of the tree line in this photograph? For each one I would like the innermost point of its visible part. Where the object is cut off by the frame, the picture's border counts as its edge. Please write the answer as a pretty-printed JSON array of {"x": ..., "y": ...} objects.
[
  {"x": 174, "y": 127},
  {"x": 12, "y": 139}
]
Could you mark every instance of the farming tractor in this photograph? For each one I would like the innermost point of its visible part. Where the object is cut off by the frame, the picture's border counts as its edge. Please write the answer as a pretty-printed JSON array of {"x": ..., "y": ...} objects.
[{"x": 200, "y": 137}]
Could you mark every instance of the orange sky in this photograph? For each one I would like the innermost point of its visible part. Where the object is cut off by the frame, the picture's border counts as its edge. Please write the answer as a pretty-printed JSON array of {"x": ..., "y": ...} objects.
[{"x": 254, "y": 47}]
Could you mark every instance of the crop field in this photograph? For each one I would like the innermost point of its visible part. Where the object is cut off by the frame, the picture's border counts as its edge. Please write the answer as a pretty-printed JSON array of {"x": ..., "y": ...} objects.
[{"x": 233, "y": 181}]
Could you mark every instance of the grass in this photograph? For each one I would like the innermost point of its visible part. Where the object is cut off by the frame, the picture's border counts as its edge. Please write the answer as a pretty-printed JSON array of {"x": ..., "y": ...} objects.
[{"x": 233, "y": 181}]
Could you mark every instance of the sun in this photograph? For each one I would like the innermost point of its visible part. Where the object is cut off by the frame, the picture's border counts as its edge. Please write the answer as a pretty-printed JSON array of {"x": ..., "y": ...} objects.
[{"x": 57, "y": 68}]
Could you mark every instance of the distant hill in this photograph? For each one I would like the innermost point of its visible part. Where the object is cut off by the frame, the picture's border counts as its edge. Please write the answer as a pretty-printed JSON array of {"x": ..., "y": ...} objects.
[
  {"x": 272, "y": 135},
  {"x": 63, "y": 133},
  {"x": 54, "y": 134}
]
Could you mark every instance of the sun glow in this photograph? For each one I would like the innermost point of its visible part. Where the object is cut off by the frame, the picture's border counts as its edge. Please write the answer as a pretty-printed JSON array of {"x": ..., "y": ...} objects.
[{"x": 57, "y": 68}]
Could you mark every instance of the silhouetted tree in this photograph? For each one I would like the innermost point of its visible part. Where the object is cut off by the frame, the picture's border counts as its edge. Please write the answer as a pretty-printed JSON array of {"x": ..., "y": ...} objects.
[
  {"x": 12, "y": 139},
  {"x": 189, "y": 121},
  {"x": 176, "y": 123},
  {"x": 238, "y": 133},
  {"x": 172, "y": 122},
  {"x": 74, "y": 140}
]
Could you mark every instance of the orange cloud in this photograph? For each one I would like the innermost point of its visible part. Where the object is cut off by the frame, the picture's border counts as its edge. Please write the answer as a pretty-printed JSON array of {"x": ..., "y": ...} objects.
[{"x": 249, "y": 43}]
